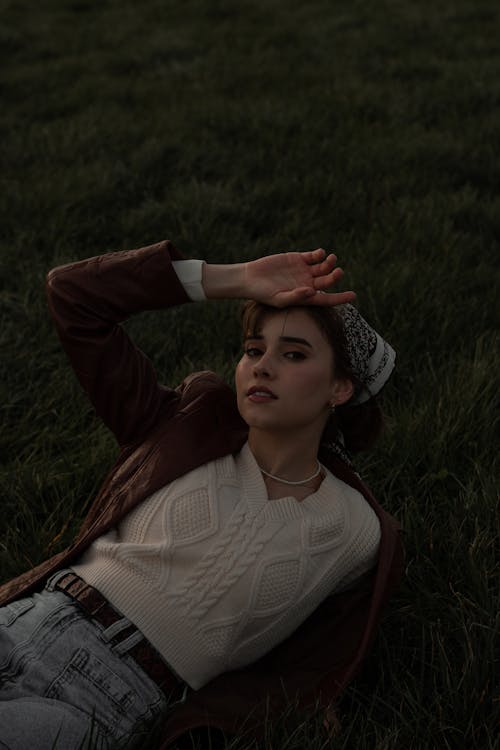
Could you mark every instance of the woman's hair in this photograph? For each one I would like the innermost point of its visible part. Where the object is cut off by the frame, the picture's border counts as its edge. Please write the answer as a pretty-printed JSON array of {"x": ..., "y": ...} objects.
[{"x": 360, "y": 424}]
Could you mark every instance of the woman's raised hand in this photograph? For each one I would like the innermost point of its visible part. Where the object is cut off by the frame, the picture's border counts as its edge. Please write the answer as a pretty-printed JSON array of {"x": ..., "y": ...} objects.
[
  {"x": 278, "y": 280},
  {"x": 295, "y": 279}
]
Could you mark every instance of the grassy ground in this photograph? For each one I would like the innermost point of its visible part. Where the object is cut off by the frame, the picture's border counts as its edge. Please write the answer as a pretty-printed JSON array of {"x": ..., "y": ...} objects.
[{"x": 236, "y": 129}]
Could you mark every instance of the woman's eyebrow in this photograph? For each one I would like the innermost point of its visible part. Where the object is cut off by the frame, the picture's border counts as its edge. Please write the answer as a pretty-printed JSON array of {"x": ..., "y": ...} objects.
[
  {"x": 286, "y": 339},
  {"x": 253, "y": 337},
  {"x": 295, "y": 340}
]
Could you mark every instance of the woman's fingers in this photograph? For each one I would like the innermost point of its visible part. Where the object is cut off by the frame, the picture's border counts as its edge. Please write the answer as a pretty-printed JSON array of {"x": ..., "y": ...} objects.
[
  {"x": 319, "y": 258},
  {"x": 325, "y": 299},
  {"x": 307, "y": 296},
  {"x": 322, "y": 265},
  {"x": 297, "y": 296},
  {"x": 324, "y": 275},
  {"x": 314, "y": 256},
  {"x": 329, "y": 279}
]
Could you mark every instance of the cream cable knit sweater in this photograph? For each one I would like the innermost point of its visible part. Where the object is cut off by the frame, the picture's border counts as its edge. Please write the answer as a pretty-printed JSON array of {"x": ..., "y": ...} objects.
[{"x": 215, "y": 574}]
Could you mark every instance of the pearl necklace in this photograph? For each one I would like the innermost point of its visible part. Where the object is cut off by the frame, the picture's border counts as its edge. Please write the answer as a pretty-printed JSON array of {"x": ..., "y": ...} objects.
[{"x": 287, "y": 481}]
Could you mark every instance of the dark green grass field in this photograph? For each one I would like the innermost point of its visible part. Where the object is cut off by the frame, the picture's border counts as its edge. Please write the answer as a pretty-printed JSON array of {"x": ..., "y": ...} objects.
[{"x": 241, "y": 128}]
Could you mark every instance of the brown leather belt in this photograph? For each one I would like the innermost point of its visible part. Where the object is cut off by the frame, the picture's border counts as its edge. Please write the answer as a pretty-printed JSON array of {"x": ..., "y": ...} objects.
[{"x": 98, "y": 608}]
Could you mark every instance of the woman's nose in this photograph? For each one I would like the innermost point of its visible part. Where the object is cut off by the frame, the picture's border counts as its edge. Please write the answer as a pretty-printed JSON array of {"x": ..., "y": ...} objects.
[{"x": 263, "y": 367}]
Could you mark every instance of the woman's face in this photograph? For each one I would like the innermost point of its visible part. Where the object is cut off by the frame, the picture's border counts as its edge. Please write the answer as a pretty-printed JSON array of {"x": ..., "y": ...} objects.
[{"x": 285, "y": 378}]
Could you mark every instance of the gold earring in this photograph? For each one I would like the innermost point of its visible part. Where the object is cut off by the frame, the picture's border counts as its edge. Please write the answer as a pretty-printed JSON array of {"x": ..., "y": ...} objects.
[{"x": 332, "y": 407}]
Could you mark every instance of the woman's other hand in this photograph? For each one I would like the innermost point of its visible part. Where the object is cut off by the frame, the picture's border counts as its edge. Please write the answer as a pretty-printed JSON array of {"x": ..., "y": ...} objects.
[{"x": 299, "y": 278}]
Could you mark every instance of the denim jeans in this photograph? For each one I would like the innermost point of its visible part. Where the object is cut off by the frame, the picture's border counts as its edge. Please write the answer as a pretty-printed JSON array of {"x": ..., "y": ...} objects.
[{"x": 63, "y": 684}]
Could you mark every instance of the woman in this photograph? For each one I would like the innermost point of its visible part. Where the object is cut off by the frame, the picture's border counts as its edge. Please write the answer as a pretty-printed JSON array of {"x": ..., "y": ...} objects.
[{"x": 232, "y": 561}]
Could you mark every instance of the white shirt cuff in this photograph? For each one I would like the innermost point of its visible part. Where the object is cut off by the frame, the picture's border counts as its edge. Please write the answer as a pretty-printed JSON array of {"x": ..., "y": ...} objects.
[{"x": 189, "y": 274}]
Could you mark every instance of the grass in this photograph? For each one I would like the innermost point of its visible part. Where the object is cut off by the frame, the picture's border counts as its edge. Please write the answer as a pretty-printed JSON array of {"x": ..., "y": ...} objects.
[{"x": 237, "y": 129}]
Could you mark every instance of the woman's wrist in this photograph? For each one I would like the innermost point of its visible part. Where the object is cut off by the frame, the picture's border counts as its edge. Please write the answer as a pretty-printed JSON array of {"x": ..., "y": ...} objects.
[{"x": 224, "y": 281}]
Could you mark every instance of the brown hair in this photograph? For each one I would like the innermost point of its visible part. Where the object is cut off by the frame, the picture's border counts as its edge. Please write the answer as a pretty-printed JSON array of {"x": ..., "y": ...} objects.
[{"x": 360, "y": 424}]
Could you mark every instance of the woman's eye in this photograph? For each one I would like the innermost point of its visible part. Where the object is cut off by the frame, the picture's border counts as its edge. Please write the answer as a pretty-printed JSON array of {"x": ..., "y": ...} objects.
[
  {"x": 251, "y": 351},
  {"x": 295, "y": 356}
]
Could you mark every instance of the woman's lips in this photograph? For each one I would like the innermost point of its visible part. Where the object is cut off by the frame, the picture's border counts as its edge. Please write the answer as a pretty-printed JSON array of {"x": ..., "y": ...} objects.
[{"x": 260, "y": 395}]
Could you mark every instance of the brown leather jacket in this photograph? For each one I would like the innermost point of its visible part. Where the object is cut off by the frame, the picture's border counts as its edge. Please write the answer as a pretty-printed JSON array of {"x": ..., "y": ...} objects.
[{"x": 163, "y": 433}]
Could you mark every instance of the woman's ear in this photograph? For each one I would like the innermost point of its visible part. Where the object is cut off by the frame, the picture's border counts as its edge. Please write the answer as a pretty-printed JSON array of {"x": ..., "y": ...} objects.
[{"x": 342, "y": 391}]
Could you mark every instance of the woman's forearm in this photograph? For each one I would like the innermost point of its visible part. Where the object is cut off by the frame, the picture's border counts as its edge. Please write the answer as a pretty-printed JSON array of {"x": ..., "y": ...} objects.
[{"x": 224, "y": 281}]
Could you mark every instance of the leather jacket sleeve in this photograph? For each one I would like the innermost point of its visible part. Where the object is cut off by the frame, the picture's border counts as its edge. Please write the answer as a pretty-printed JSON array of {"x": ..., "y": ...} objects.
[{"x": 88, "y": 301}]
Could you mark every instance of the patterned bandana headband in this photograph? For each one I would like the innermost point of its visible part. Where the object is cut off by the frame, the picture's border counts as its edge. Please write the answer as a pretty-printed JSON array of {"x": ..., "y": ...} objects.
[{"x": 372, "y": 358}]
